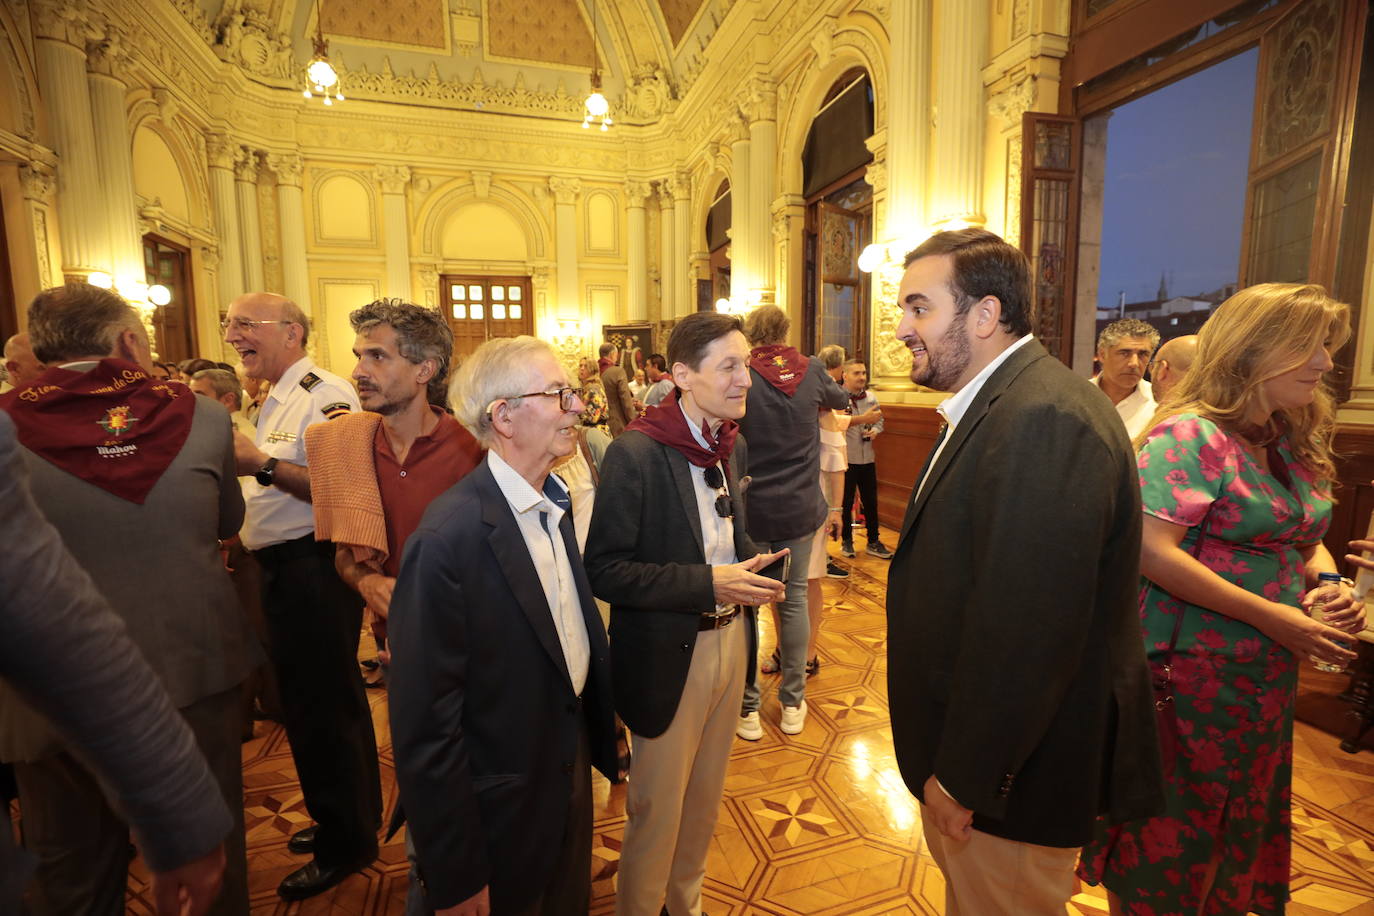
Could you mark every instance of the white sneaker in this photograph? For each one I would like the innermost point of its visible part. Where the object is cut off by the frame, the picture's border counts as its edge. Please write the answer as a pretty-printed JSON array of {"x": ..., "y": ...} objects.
[
  {"x": 793, "y": 719},
  {"x": 749, "y": 727}
]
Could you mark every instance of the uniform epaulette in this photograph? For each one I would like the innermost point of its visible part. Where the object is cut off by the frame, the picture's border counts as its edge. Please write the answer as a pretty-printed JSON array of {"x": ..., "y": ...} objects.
[{"x": 309, "y": 381}]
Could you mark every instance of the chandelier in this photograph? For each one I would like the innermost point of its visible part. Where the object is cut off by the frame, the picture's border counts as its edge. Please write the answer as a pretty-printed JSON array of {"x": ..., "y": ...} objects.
[
  {"x": 597, "y": 109},
  {"x": 320, "y": 74}
]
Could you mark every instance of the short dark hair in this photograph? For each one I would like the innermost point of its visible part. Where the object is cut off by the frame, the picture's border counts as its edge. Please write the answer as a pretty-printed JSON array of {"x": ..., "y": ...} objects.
[
  {"x": 421, "y": 334},
  {"x": 692, "y": 335},
  {"x": 189, "y": 367},
  {"x": 76, "y": 320},
  {"x": 984, "y": 265},
  {"x": 1113, "y": 333},
  {"x": 658, "y": 362},
  {"x": 607, "y": 349},
  {"x": 222, "y": 382}
]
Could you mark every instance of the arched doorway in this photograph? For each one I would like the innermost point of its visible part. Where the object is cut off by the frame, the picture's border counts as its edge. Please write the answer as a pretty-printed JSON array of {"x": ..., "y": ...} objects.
[{"x": 718, "y": 242}]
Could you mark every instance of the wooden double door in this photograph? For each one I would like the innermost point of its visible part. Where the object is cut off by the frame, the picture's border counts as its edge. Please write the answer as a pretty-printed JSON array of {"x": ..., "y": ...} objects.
[{"x": 480, "y": 308}]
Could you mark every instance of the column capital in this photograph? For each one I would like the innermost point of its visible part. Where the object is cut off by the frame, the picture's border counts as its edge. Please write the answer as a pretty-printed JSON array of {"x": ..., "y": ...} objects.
[
  {"x": 680, "y": 186},
  {"x": 209, "y": 257},
  {"x": 107, "y": 54},
  {"x": 246, "y": 164},
  {"x": 666, "y": 197},
  {"x": 760, "y": 100},
  {"x": 38, "y": 182},
  {"x": 1013, "y": 100},
  {"x": 288, "y": 166},
  {"x": 736, "y": 127},
  {"x": 875, "y": 175},
  {"x": 565, "y": 190},
  {"x": 62, "y": 20},
  {"x": 392, "y": 178},
  {"x": 636, "y": 192},
  {"x": 220, "y": 150}
]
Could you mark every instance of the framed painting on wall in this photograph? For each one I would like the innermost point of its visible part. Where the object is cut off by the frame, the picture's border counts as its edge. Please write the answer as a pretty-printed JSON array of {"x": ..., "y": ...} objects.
[{"x": 636, "y": 342}]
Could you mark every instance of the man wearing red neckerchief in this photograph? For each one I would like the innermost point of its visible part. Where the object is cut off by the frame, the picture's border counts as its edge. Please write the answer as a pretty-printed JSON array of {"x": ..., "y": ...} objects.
[{"x": 137, "y": 474}]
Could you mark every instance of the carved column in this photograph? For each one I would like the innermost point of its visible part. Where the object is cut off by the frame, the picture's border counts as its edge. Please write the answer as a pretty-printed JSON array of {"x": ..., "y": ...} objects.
[
  {"x": 291, "y": 202},
  {"x": 960, "y": 40},
  {"x": 221, "y": 154},
  {"x": 250, "y": 226},
  {"x": 565, "y": 194},
  {"x": 395, "y": 228},
  {"x": 683, "y": 294},
  {"x": 741, "y": 215},
  {"x": 667, "y": 307},
  {"x": 908, "y": 121},
  {"x": 114, "y": 154},
  {"x": 763, "y": 154},
  {"x": 39, "y": 184},
  {"x": 61, "y": 52},
  {"x": 635, "y": 193}
]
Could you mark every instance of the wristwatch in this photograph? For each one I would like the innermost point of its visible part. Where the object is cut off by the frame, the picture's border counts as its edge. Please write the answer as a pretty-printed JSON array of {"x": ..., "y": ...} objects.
[{"x": 266, "y": 473}]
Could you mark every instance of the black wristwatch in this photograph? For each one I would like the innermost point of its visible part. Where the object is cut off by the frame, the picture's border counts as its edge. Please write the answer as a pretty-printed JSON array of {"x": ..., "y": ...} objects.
[{"x": 266, "y": 473}]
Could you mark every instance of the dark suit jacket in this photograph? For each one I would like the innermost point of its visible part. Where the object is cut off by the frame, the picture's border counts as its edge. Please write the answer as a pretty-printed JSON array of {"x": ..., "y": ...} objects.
[
  {"x": 1016, "y": 668},
  {"x": 619, "y": 399},
  {"x": 645, "y": 556},
  {"x": 484, "y": 721}
]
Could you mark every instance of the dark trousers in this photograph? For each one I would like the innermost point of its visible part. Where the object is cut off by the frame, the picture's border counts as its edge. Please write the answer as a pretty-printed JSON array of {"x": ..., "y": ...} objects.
[
  {"x": 314, "y": 620},
  {"x": 863, "y": 477},
  {"x": 83, "y": 846},
  {"x": 569, "y": 890}
]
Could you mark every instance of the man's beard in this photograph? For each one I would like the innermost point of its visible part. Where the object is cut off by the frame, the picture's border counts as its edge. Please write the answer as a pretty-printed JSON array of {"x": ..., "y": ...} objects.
[
  {"x": 943, "y": 368},
  {"x": 388, "y": 405}
]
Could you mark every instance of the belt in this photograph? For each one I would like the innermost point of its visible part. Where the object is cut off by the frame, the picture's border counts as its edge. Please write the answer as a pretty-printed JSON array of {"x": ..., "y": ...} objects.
[
  {"x": 718, "y": 621},
  {"x": 295, "y": 549}
]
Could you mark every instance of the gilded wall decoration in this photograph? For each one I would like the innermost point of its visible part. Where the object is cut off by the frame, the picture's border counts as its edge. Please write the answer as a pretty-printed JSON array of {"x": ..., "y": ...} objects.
[
  {"x": 1012, "y": 230},
  {"x": 891, "y": 359},
  {"x": 1299, "y": 78},
  {"x": 678, "y": 14},
  {"x": 40, "y": 241},
  {"x": 252, "y": 45},
  {"x": 271, "y": 237},
  {"x": 405, "y": 22},
  {"x": 548, "y": 31}
]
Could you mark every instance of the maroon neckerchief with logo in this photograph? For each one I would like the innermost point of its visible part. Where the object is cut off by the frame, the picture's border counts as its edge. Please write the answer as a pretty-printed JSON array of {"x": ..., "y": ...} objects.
[
  {"x": 603, "y": 364},
  {"x": 855, "y": 399},
  {"x": 113, "y": 426},
  {"x": 780, "y": 365},
  {"x": 666, "y": 423}
]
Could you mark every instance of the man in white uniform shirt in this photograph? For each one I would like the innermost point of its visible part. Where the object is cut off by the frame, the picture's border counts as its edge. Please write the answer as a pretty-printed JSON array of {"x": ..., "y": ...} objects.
[
  {"x": 1124, "y": 348},
  {"x": 313, "y": 618}
]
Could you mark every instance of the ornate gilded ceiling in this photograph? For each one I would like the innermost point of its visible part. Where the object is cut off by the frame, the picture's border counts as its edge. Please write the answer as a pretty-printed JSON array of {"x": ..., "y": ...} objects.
[
  {"x": 549, "y": 31},
  {"x": 407, "y": 22},
  {"x": 678, "y": 14}
]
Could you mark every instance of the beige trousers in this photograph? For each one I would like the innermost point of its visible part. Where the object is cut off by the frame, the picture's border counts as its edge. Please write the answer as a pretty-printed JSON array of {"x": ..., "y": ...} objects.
[
  {"x": 676, "y": 782},
  {"x": 987, "y": 875}
]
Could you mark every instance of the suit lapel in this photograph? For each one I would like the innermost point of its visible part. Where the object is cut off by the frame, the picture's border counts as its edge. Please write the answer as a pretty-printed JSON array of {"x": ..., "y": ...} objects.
[
  {"x": 687, "y": 492},
  {"x": 513, "y": 556},
  {"x": 998, "y": 382}
]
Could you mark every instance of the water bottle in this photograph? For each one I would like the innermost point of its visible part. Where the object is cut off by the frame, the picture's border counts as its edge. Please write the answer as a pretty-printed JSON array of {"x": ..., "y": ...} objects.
[{"x": 1319, "y": 615}]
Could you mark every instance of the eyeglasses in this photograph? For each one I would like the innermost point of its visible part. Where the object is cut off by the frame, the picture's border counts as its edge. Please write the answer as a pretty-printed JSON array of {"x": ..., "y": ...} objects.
[
  {"x": 566, "y": 397},
  {"x": 716, "y": 481},
  {"x": 247, "y": 324}
]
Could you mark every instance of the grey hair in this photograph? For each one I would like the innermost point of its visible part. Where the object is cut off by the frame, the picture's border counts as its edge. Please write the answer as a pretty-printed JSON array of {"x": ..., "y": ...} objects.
[
  {"x": 76, "y": 320},
  {"x": 223, "y": 382},
  {"x": 831, "y": 356},
  {"x": 421, "y": 334},
  {"x": 1126, "y": 327},
  {"x": 499, "y": 368}
]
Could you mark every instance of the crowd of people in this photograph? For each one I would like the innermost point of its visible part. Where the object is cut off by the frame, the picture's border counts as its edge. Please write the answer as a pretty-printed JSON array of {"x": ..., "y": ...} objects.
[{"x": 565, "y": 575}]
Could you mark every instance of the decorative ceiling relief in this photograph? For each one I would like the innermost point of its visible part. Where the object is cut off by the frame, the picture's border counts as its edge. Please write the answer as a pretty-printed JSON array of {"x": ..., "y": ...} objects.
[
  {"x": 548, "y": 31},
  {"x": 679, "y": 15},
  {"x": 420, "y": 23}
]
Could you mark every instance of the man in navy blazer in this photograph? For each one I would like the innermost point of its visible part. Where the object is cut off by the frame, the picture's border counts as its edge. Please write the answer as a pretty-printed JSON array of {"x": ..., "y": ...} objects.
[{"x": 500, "y": 686}]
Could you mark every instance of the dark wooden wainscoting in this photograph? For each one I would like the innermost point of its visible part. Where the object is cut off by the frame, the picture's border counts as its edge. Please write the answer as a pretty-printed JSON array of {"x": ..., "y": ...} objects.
[
  {"x": 907, "y": 438},
  {"x": 1354, "y": 495}
]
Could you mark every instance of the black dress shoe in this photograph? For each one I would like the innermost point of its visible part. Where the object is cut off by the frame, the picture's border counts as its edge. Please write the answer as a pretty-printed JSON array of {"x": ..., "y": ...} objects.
[
  {"x": 313, "y": 878},
  {"x": 302, "y": 842}
]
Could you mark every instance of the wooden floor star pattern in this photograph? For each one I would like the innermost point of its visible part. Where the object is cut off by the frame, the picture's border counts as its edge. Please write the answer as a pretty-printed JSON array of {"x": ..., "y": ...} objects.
[{"x": 820, "y": 823}]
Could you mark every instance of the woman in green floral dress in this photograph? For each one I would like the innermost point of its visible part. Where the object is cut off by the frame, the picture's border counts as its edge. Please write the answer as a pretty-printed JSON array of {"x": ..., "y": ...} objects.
[{"x": 1239, "y": 455}]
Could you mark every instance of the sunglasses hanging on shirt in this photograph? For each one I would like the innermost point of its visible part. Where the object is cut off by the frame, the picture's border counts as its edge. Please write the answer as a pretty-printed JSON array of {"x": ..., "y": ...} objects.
[{"x": 716, "y": 481}]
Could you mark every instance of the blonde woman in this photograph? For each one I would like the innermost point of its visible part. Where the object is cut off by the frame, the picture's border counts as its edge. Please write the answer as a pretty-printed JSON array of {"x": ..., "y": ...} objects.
[{"x": 1235, "y": 476}]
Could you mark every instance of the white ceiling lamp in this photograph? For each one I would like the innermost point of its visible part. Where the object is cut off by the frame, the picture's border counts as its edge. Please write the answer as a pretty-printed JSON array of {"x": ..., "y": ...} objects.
[
  {"x": 598, "y": 110},
  {"x": 320, "y": 74}
]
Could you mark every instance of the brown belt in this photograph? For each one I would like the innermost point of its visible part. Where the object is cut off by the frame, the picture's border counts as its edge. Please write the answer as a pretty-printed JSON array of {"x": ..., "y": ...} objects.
[{"x": 717, "y": 621}]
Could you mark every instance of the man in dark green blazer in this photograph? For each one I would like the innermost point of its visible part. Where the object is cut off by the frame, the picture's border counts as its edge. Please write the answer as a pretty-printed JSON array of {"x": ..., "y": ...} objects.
[{"x": 1020, "y": 698}]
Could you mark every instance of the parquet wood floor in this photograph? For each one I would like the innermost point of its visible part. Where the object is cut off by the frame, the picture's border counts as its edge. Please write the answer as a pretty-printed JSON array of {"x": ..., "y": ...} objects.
[{"x": 820, "y": 824}]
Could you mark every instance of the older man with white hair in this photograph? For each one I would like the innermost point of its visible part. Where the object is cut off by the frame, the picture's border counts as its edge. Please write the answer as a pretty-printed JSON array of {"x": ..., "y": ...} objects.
[{"x": 497, "y": 714}]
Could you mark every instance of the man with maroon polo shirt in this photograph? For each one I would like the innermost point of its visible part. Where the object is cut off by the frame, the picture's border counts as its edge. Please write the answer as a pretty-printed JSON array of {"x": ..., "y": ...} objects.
[{"x": 414, "y": 450}]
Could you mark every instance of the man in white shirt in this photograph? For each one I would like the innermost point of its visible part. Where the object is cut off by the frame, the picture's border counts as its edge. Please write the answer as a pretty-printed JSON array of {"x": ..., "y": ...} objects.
[
  {"x": 500, "y": 686},
  {"x": 660, "y": 381},
  {"x": 313, "y": 618},
  {"x": 1123, "y": 349},
  {"x": 1021, "y": 702}
]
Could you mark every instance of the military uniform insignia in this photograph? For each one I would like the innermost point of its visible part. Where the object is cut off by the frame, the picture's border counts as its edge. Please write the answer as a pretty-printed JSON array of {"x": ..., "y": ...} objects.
[
  {"x": 117, "y": 421},
  {"x": 337, "y": 409},
  {"x": 278, "y": 435},
  {"x": 309, "y": 381}
]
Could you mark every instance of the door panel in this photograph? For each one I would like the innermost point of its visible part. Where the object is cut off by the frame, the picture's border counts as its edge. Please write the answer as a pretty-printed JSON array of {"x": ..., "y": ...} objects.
[{"x": 481, "y": 308}]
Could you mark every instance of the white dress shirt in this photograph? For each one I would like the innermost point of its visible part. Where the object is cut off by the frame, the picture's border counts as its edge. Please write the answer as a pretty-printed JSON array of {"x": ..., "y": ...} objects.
[
  {"x": 538, "y": 515},
  {"x": 273, "y": 516},
  {"x": 1136, "y": 408},
  {"x": 956, "y": 405}
]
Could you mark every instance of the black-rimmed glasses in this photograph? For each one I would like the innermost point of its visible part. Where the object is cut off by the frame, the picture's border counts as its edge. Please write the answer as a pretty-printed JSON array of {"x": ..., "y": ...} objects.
[
  {"x": 566, "y": 396},
  {"x": 716, "y": 481},
  {"x": 248, "y": 324}
]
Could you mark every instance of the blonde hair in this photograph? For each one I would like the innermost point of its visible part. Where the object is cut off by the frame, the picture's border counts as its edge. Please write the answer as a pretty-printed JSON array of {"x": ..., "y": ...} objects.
[{"x": 1261, "y": 332}]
